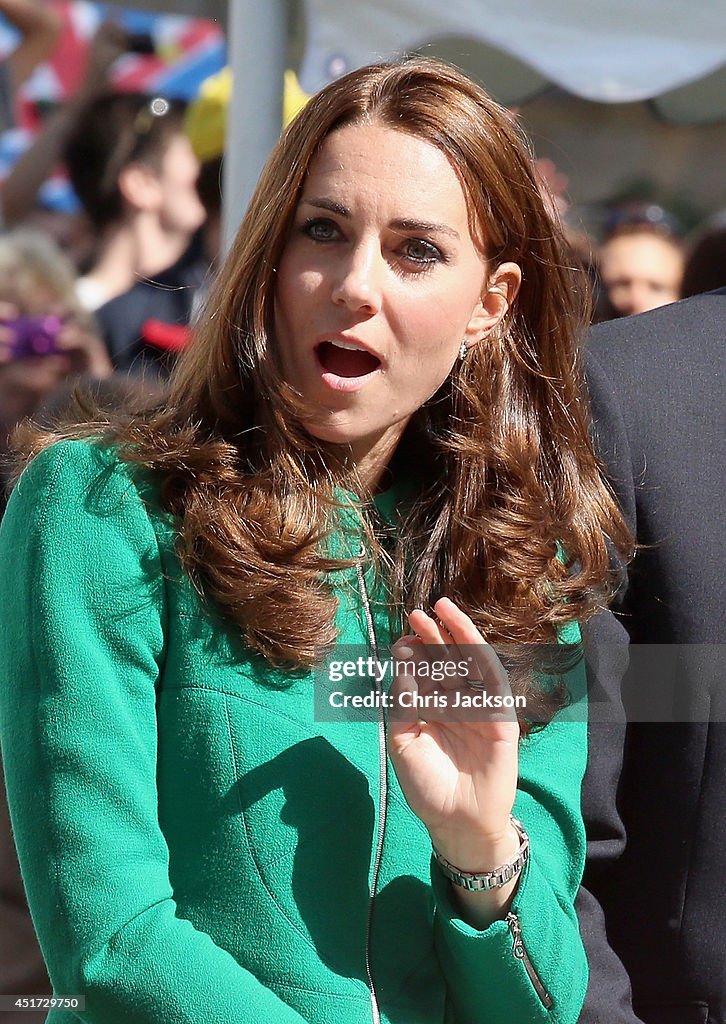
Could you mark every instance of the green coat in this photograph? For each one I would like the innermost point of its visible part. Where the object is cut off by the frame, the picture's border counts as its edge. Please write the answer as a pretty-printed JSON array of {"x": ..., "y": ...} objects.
[{"x": 195, "y": 847}]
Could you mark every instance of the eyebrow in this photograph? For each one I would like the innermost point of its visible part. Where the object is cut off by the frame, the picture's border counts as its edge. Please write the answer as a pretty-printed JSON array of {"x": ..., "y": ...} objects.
[{"x": 402, "y": 224}]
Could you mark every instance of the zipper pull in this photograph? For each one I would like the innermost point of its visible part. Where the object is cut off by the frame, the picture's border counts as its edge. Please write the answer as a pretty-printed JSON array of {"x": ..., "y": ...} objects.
[{"x": 515, "y": 927}]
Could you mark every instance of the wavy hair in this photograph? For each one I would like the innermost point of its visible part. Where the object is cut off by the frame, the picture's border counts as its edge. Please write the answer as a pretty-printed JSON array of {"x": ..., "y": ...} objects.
[{"x": 514, "y": 480}]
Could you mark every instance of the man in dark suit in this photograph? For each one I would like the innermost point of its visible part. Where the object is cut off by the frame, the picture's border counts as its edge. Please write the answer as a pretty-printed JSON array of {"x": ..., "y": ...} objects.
[{"x": 657, "y": 863}]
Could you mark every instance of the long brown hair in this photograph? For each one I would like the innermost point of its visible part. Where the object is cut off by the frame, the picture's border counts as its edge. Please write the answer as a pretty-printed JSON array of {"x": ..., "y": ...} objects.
[{"x": 514, "y": 479}]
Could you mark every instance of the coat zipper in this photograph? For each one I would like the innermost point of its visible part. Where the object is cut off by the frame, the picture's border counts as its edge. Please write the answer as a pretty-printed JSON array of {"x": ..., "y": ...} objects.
[
  {"x": 520, "y": 952},
  {"x": 383, "y": 775},
  {"x": 512, "y": 920}
]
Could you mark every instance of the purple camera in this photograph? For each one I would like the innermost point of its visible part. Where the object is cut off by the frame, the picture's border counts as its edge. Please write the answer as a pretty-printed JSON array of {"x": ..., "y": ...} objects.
[{"x": 33, "y": 335}]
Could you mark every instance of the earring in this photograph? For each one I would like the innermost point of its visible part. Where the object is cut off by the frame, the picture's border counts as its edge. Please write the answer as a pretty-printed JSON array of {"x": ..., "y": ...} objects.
[{"x": 463, "y": 349}]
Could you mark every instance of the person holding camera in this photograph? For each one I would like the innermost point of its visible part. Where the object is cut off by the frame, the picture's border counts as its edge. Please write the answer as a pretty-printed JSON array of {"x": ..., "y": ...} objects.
[{"x": 46, "y": 336}]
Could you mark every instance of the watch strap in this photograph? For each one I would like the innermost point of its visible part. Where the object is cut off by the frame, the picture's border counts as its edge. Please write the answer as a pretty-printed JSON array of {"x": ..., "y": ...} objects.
[{"x": 481, "y": 881}]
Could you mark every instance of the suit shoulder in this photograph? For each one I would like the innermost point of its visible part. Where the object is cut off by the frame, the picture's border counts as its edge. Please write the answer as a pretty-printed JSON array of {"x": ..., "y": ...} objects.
[{"x": 670, "y": 332}]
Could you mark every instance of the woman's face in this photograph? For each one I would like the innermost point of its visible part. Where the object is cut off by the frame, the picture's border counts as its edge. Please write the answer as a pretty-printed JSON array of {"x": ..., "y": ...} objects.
[{"x": 378, "y": 285}]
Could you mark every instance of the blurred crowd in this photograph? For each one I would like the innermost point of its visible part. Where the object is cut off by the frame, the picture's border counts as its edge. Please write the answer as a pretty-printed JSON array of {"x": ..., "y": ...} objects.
[
  {"x": 107, "y": 294},
  {"x": 104, "y": 294}
]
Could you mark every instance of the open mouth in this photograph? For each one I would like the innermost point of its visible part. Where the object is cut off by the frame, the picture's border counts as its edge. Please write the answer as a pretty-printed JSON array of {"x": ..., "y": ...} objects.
[{"x": 346, "y": 360}]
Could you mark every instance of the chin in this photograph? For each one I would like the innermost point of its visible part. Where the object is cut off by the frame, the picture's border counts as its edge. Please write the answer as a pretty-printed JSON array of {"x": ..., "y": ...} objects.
[{"x": 332, "y": 433}]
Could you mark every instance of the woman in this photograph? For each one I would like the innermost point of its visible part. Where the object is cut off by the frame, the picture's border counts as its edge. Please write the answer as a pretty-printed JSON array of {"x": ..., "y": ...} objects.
[{"x": 379, "y": 415}]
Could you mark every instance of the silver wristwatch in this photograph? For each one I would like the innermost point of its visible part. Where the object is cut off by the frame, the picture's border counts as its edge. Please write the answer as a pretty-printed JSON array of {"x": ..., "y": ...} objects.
[{"x": 489, "y": 879}]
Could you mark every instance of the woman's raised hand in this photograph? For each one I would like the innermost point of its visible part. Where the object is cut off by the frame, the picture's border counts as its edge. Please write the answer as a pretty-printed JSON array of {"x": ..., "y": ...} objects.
[{"x": 457, "y": 769}]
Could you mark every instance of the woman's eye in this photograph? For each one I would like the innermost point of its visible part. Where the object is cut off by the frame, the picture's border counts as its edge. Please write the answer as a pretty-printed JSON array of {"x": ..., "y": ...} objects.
[
  {"x": 320, "y": 229},
  {"x": 418, "y": 251}
]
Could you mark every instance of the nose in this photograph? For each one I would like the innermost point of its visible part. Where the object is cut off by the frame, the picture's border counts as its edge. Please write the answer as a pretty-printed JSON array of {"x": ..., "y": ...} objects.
[
  {"x": 624, "y": 295},
  {"x": 640, "y": 299},
  {"x": 627, "y": 303},
  {"x": 358, "y": 280}
]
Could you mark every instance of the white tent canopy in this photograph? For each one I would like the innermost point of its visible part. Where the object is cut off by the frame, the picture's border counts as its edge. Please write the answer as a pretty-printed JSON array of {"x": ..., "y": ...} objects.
[{"x": 617, "y": 52}]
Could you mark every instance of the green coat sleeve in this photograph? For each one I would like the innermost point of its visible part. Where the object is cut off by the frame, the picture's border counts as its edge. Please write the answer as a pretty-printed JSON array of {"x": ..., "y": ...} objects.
[
  {"x": 82, "y": 607},
  {"x": 487, "y": 984}
]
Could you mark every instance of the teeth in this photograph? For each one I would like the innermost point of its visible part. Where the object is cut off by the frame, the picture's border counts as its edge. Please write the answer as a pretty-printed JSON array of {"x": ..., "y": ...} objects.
[{"x": 346, "y": 345}]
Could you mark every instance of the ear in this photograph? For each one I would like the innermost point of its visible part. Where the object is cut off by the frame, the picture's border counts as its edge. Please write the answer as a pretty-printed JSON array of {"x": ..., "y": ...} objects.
[
  {"x": 501, "y": 289},
  {"x": 139, "y": 187}
]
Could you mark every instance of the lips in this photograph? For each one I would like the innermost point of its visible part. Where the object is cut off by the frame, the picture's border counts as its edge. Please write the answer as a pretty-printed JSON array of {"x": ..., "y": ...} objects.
[{"x": 344, "y": 358}]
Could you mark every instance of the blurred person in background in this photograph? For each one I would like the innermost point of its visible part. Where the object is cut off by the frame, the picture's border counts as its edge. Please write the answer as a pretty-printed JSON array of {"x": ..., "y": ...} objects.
[
  {"x": 134, "y": 170},
  {"x": 640, "y": 267},
  {"x": 205, "y": 124},
  {"x": 39, "y": 27},
  {"x": 22, "y": 184},
  {"x": 706, "y": 258},
  {"x": 37, "y": 287}
]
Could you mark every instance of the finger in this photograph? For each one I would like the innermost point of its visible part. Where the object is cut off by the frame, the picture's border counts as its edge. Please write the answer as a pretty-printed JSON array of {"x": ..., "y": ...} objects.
[
  {"x": 486, "y": 668},
  {"x": 444, "y": 690},
  {"x": 72, "y": 338},
  {"x": 439, "y": 651},
  {"x": 454, "y": 652},
  {"x": 445, "y": 633},
  {"x": 409, "y": 655},
  {"x": 68, "y": 338},
  {"x": 426, "y": 627},
  {"x": 407, "y": 640},
  {"x": 7, "y": 333},
  {"x": 463, "y": 631},
  {"x": 403, "y": 653},
  {"x": 403, "y": 715},
  {"x": 457, "y": 622}
]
